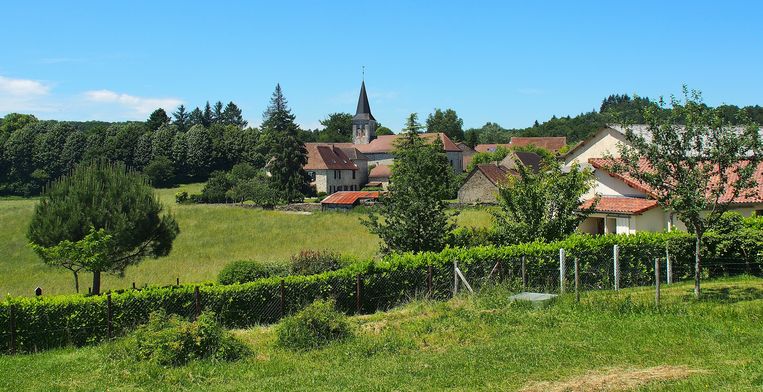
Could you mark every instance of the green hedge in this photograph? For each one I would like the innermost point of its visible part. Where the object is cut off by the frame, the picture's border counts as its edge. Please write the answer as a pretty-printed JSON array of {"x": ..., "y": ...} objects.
[{"x": 47, "y": 322}]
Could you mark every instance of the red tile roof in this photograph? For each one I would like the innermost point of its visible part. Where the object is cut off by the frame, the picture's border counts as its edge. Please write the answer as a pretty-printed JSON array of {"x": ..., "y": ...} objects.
[
  {"x": 621, "y": 205},
  {"x": 756, "y": 196},
  {"x": 381, "y": 171},
  {"x": 490, "y": 147},
  {"x": 386, "y": 143},
  {"x": 554, "y": 143},
  {"x": 496, "y": 174},
  {"x": 324, "y": 156},
  {"x": 349, "y": 197}
]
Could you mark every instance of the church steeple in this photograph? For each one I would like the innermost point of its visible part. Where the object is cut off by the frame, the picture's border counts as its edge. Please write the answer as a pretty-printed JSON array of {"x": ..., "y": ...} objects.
[{"x": 363, "y": 123}]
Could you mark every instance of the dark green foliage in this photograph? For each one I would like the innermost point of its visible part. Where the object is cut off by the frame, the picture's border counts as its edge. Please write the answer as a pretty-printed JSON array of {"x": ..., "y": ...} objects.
[
  {"x": 309, "y": 262},
  {"x": 243, "y": 271},
  {"x": 182, "y": 119},
  {"x": 162, "y": 140},
  {"x": 160, "y": 172},
  {"x": 217, "y": 113},
  {"x": 286, "y": 154},
  {"x": 542, "y": 206},
  {"x": 412, "y": 124},
  {"x": 157, "y": 118},
  {"x": 199, "y": 151},
  {"x": 447, "y": 122},
  {"x": 244, "y": 182},
  {"x": 207, "y": 116},
  {"x": 105, "y": 196},
  {"x": 232, "y": 115},
  {"x": 382, "y": 130},
  {"x": 169, "y": 340},
  {"x": 181, "y": 197},
  {"x": 412, "y": 217},
  {"x": 313, "y": 327},
  {"x": 196, "y": 117},
  {"x": 337, "y": 127}
]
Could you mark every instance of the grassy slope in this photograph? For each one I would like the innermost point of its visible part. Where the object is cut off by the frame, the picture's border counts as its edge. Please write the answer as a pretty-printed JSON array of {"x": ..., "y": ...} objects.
[
  {"x": 478, "y": 343},
  {"x": 211, "y": 236}
]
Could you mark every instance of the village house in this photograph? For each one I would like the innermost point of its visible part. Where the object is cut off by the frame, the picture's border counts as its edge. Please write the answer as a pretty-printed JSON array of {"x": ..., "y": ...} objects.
[
  {"x": 380, "y": 150},
  {"x": 336, "y": 167},
  {"x": 625, "y": 206},
  {"x": 553, "y": 143},
  {"x": 481, "y": 185}
]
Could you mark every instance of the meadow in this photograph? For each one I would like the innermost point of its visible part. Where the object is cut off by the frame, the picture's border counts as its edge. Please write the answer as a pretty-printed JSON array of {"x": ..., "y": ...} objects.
[
  {"x": 211, "y": 236},
  {"x": 483, "y": 342}
]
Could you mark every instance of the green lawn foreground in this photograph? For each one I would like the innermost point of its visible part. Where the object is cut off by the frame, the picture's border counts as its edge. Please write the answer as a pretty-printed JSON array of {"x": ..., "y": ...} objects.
[
  {"x": 210, "y": 237},
  {"x": 470, "y": 343}
]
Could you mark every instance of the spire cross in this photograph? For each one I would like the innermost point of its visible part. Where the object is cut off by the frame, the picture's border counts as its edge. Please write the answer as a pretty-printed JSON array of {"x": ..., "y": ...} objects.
[{"x": 364, "y": 72}]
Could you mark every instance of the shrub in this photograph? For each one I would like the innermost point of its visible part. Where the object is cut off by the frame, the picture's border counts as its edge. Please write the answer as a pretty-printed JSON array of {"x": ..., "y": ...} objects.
[
  {"x": 313, "y": 327},
  {"x": 243, "y": 271},
  {"x": 310, "y": 262},
  {"x": 160, "y": 172},
  {"x": 181, "y": 197},
  {"x": 168, "y": 340}
]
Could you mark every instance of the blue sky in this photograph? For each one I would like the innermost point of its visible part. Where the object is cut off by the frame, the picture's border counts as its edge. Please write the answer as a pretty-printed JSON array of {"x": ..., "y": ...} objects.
[{"x": 510, "y": 63}]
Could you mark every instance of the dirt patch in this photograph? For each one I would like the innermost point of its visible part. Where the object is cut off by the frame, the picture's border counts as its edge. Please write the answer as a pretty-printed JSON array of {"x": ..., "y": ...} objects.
[{"x": 613, "y": 379}]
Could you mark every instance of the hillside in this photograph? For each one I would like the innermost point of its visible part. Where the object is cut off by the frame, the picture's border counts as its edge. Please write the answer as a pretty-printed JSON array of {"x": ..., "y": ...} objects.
[{"x": 618, "y": 340}]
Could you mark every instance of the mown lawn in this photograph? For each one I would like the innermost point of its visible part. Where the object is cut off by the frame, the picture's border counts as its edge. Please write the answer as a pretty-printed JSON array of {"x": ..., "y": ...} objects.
[
  {"x": 211, "y": 236},
  {"x": 470, "y": 343}
]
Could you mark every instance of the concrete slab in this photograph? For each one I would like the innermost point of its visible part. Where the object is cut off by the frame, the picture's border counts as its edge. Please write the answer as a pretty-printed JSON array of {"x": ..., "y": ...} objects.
[{"x": 537, "y": 299}]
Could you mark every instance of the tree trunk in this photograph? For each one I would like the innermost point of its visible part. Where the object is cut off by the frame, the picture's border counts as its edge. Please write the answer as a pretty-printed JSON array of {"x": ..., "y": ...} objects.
[
  {"x": 697, "y": 265},
  {"x": 76, "y": 281},
  {"x": 96, "y": 282}
]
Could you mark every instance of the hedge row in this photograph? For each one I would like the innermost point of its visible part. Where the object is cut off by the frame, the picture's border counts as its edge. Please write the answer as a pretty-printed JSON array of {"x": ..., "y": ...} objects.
[{"x": 47, "y": 322}]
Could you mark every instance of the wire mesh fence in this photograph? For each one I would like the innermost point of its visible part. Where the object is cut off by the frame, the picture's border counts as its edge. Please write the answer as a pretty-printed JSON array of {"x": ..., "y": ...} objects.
[{"x": 34, "y": 324}]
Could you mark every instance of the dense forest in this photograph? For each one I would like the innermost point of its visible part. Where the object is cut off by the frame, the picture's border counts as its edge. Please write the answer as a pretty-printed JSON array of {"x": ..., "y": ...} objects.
[{"x": 189, "y": 146}]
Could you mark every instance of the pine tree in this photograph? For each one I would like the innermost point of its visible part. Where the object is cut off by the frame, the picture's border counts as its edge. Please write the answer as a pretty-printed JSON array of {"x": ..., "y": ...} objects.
[
  {"x": 157, "y": 119},
  {"x": 206, "y": 117},
  {"x": 182, "y": 119},
  {"x": 217, "y": 113},
  {"x": 232, "y": 115},
  {"x": 196, "y": 118},
  {"x": 286, "y": 153},
  {"x": 412, "y": 124}
]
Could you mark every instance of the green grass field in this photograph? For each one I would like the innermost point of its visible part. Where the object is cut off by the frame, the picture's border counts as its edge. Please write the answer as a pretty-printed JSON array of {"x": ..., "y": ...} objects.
[
  {"x": 211, "y": 236},
  {"x": 473, "y": 343}
]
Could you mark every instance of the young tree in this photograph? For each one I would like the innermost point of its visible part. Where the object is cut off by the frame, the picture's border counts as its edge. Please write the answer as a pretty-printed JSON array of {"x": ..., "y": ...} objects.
[
  {"x": 157, "y": 118},
  {"x": 182, "y": 119},
  {"x": 196, "y": 117},
  {"x": 217, "y": 113},
  {"x": 232, "y": 115},
  {"x": 696, "y": 170},
  {"x": 160, "y": 172},
  {"x": 412, "y": 123},
  {"x": 543, "y": 205},
  {"x": 446, "y": 122},
  {"x": 287, "y": 155},
  {"x": 207, "y": 116},
  {"x": 412, "y": 217},
  {"x": 109, "y": 197}
]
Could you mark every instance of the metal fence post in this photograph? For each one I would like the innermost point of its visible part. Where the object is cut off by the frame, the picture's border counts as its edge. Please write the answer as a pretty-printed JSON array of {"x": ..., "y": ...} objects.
[
  {"x": 197, "y": 301},
  {"x": 524, "y": 274},
  {"x": 577, "y": 280},
  {"x": 109, "y": 326},
  {"x": 282, "y": 301},
  {"x": 668, "y": 266},
  {"x": 429, "y": 280},
  {"x": 562, "y": 270},
  {"x": 657, "y": 281},
  {"x": 616, "y": 265},
  {"x": 12, "y": 326},
  {"x": 455, "y": 277},
  {"x": 357, "y": 294}
]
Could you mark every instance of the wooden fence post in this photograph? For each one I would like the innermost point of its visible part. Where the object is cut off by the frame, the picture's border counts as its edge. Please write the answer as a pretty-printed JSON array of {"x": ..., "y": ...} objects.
[
  {"x": 197, "y": 301},
  {"x": 577, "y": 280},
  {"x": 455, "y": 277},
  {"x": 616, "y": 265},
  {"x": 429, "y": 280},
  {"x": 524, "y": 274},
  {"x": 562, "y": 270},
  {"x": 357, "y": 294},
  {"x": 12, "y": 325},
  {"x": 282, "y": 302},
  {"x": 177, "y": 281},
  {"x": 109, "y": 326},
  {"x": 668, "y": 266},
  {"x": 657, "y": 281}
]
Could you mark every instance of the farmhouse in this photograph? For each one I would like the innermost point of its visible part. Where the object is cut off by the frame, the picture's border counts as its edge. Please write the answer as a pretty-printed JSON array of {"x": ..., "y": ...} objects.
[
  {"x": 481, "y": 185},
  {"x": 625, "y": 205},
  {"x": 379, "y": 151},
  {"x": 336, "y": 167}
]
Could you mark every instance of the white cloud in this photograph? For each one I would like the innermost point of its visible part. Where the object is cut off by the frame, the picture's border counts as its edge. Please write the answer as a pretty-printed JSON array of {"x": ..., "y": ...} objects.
[
  {"x": 140, "y": 106},
  {"x": 24, "y": 95},
  {"x": 23, "y": 88}
]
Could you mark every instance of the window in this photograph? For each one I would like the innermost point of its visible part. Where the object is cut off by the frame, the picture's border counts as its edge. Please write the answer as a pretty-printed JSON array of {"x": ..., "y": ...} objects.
[
  {"x": 353, "y": 174},
  {"x": 312, "y": 176},
  {"x": 335, "y": 174},
  {"x": 331, "y": 189},
  {"x": 340, "y": 174}
]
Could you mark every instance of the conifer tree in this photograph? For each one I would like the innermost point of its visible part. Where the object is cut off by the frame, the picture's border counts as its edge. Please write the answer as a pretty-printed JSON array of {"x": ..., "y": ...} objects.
[
  {"x": 182, "y": 118},
  {"x": 286, "y": 154},
  {"x": 196, "y": 118},
  {"x": 217, "y": 113},
  {"x": 207, "y": 116},
  {"x": 232, "y": 115}
]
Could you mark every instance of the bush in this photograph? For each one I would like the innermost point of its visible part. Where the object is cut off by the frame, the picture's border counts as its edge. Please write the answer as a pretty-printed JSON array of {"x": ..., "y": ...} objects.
[
  {"x": 310, "y": 262},
  {"x": 181, "y": 197},
  {"x": 315, "y": 326},
  {"x": 168, "y": 340},
  {"x": 243, "y": 271},
  {"x": 160, "y": 172}
]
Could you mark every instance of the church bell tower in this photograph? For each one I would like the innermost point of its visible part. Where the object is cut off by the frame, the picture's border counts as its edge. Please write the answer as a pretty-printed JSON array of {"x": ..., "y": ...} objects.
[{"x": 363, "y": 123}]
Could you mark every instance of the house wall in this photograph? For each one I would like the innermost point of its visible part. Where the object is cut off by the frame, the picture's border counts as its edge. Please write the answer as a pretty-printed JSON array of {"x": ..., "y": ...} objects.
[
  {"x": 477, "y": 189},
  {"x": 605, "y": 141},
  {"x": 607, "y": 185},
  {"x": 456, "y": 159},
  {"x": 325, "y": 181}
]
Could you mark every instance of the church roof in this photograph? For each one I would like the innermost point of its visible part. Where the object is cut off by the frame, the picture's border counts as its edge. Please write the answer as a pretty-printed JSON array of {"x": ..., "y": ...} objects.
[{"x": 364, "y": 109}]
